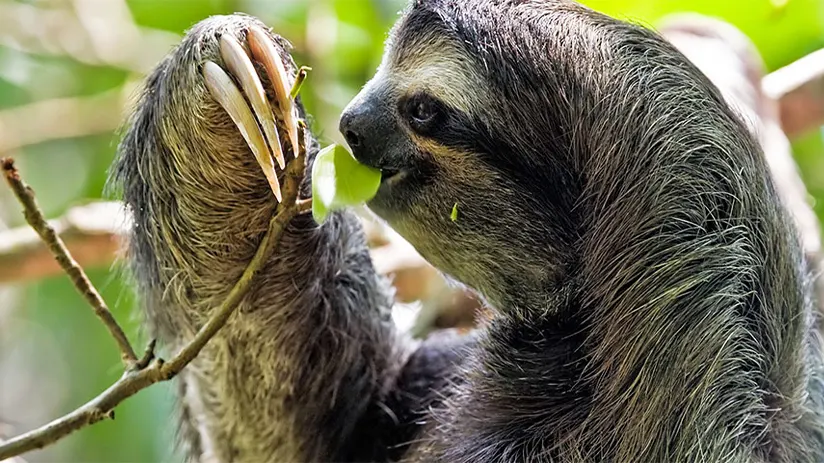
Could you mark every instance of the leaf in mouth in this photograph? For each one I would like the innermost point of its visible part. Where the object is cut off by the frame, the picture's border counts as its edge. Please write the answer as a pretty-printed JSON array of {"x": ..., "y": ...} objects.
[{"x": 338, "y": 181}]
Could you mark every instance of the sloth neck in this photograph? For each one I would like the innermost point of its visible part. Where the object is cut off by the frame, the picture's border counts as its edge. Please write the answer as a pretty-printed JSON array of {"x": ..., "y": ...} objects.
[{"x": 680, "y": 322}]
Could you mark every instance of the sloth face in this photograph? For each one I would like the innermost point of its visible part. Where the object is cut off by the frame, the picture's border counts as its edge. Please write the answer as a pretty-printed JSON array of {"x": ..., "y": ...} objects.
[
  {"x": 559, "y": 135},
  {"x": 474, "y": 172},
  {"x": 411, "y": 120}
]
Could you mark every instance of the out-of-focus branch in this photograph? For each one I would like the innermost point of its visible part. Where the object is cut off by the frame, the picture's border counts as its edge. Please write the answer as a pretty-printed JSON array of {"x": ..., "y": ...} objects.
[
  {"x": 93, "y": 32},
  {"x": 118, "y": 43},
  {"x": 34, "y": 216},
  {"x": 92, "y": 234},
  {"x": 799, "y": 90},
  {"x": 59, "y": 118}
]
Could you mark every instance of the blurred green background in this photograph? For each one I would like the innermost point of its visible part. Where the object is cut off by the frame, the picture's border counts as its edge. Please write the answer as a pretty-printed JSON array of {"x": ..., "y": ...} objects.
[{"x": 68, "y": 72}]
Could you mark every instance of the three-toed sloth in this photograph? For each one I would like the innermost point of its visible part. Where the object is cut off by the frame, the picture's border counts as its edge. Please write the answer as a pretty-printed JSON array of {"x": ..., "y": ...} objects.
[{"x": 651, "y": 302}]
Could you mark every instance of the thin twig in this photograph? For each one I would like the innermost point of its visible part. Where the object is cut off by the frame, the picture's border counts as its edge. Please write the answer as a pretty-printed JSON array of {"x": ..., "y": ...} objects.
[
  {"x": 34, "y": 216},
  {"x": 299, "y": 79},
  {"x": 286, "y": 211},
  {"x": 150, "y": 370},
  {"x": 216, "y": 321},
  {"x": 296, "y": 169}
]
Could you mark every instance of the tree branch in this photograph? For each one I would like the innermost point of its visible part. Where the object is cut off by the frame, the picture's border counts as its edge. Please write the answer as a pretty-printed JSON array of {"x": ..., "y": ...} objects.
[
  {"x": 94, "y": 233},
  {"x": 34, "y": 216},
  {"x": 799, "y": 90},
  {"x": 148, "y": 370}
]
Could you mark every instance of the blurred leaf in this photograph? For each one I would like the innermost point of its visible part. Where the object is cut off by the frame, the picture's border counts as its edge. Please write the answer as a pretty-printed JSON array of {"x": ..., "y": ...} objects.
[
  {"x": 782, "y": 33},
  {"x": 809, "y": 153},
  {"x": 178, "y": 15}
]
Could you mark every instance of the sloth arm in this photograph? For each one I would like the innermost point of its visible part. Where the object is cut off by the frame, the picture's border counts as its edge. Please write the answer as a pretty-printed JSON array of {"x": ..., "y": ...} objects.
[{"x": 311, "y": 367}]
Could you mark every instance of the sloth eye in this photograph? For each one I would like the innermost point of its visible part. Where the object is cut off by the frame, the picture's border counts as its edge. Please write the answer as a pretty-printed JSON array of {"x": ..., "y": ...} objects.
[{"x": 423, "y": 112}]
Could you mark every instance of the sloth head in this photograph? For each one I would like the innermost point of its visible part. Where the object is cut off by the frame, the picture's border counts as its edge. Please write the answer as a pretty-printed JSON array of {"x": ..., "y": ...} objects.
[{"x": 548, "y": 127}]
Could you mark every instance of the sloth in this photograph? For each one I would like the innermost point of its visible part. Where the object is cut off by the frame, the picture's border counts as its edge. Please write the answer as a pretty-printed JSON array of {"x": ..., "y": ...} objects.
[{"x": 649, "y": 298}]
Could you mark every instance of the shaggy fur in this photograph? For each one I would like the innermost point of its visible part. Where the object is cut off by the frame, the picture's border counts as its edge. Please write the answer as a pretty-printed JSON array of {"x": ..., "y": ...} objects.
[
  {"x": 652, "y": 302},
  {"x": 312, "y": 349}
]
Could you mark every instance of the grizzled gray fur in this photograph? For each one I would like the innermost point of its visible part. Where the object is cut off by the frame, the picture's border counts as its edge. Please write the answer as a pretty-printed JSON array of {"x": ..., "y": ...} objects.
[{"x": 652, "y": 302}]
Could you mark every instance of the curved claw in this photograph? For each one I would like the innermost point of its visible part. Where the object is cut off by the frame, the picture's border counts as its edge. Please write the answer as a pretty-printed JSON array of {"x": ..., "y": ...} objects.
[
  {"x": 239, "y": 64},
  {"x": 263, "y": 50},
  {"x": 224, "y": 91}
]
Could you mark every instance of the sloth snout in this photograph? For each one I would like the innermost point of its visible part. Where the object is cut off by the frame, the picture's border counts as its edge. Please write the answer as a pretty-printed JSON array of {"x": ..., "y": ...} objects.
[{"x": 368, "y": 130}]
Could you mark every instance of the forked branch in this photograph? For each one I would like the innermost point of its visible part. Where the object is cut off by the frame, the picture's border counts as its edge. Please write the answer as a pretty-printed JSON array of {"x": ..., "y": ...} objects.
[
  {"x": 34, "y": 217},
  {"x": 142, "y": 373}
]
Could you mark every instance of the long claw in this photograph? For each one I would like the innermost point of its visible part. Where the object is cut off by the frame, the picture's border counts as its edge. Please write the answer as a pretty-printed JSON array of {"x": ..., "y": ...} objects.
[
  {"x": 224, "y": 91},
  {"x": 242, "y": 68},
  {"x": 264, "y": 51}
]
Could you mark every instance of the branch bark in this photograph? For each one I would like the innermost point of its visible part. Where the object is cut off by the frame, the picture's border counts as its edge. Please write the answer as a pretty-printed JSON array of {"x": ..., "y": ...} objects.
[
  {"x": 142, "y": 373},
  {"x": 34, "y": 216},
  {"x": 91, "y": 232}
]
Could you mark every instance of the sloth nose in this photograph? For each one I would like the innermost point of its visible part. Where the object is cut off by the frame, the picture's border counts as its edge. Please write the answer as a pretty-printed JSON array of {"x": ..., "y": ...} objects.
[
  {"x": 363, "y": 128},
  {"x": 349, "y": 130}
]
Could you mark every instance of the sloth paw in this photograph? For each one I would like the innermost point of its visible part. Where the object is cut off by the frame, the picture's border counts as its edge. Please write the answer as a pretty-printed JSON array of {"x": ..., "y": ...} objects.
[{"x": 240, "y": 92}]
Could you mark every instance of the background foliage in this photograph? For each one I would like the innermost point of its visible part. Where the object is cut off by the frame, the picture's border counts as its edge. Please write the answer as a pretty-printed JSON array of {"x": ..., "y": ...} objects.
[{"x": 54, "y": 354}]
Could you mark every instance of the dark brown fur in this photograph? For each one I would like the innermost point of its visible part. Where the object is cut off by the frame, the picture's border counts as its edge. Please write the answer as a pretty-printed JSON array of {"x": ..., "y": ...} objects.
[
  {"x": 312, "y": 349},
  {"x": 652, "y": 300}
]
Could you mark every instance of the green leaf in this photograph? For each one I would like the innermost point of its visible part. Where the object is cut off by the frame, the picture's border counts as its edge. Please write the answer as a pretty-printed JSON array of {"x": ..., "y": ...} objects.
[
  {"x": 338, "y": 181},
  {"x": 454, "y": 215}
]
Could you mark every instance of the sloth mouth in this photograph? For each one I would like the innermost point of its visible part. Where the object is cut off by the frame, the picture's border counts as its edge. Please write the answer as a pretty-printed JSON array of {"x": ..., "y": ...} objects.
[
  {"x": 398, "y": 189},
  {"x": 390, "y": 176}
]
